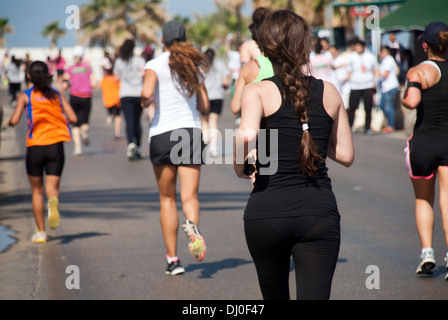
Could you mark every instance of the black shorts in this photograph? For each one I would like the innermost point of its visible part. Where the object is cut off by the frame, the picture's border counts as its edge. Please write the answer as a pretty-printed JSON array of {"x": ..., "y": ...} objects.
[
  {"x": 113, "y": 111},
  {"x": 425, "y": 151},
  {"x": 48, "y": 158},
  {"x": 177, "y": 147},
  {"x": 82, "y": 107},
  {"x": 216, "y": 106}
]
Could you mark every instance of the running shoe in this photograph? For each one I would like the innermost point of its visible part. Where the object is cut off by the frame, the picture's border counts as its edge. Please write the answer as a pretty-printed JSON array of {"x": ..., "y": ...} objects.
[
  {"x": 428, "y": 262},
  {"x": 174, "y": 268},
  {"x": 108, "y": 123},
  {"x": 132, "y": 149},
  {"x": 213, "y": 152},
  {"x": 77, "y": 151},
  {"x": 196, "y": 246},
  {"x": 138, "y": 153},
  {"x": 39, "y": 237},
  {"x": 53, "y": 213},
  {"x": 446, "y": 260},
  {"x": 85, "y": 137}
]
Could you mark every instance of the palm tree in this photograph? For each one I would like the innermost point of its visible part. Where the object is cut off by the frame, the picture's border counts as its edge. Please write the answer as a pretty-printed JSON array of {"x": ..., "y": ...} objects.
[
  {"x": 311, "y": 10},
  {"x": 53, "y": 31},
  {"x": 203, "y": 31},
  {"x": 213, "y": 28},
  {"x": 234, "y": 7},
  {"x": 110, "y": 22},
  {"x": 274, "y": 4},
  {"x": 4, "y": 28}
]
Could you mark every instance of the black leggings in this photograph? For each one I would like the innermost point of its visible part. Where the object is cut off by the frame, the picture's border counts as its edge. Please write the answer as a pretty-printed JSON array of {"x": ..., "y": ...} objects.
[
  {"x": 312, "y": 241},
  {"x": 82, "y": 107},
  {"x": 132, "y": 110}
]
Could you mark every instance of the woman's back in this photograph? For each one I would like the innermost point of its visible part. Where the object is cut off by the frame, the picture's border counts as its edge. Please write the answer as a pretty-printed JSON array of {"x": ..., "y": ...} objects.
[
  {"x": 80, "y": 83},
  {"x": 47, "y": 123},
  {"x": 286, "y": 192},
  {"x": 432, "y": 113},
  {"x": 174, "y": 108},
  {"x": 131, "y": 76}
]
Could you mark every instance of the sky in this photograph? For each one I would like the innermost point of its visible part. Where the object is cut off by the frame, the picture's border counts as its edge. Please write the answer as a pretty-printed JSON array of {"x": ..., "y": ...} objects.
[{"x": 28, "y": 17}]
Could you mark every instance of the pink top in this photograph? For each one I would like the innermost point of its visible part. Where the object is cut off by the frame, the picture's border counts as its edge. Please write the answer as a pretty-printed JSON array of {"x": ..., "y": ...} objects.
[
  {"x": 321, "y": 66},
  {"x": 61, "y": 64},
  {"x": 80, "y": 80}
]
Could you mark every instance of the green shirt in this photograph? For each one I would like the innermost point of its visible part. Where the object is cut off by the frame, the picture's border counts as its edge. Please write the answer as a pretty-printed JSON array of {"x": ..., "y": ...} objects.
[{"x": 266, "y": 70}]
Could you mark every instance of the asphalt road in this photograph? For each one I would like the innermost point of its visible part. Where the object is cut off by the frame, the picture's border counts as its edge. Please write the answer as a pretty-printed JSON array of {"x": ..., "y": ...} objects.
[{"x": 110, "y": 227}]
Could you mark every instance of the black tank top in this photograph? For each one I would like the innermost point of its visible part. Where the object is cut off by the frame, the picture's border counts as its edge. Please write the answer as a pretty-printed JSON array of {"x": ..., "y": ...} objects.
[
  {"x": 288, "y": 193},
  {"x": 432, "y": 113}
]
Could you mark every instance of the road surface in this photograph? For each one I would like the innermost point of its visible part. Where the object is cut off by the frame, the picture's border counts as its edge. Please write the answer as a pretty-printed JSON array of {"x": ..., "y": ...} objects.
[{"x": 110, "y": 234}]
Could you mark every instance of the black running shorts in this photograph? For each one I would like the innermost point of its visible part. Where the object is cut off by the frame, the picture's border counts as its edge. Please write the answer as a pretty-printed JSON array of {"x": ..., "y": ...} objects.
[
  {"x": 216, "y": 106},
  {"x": 48, "y": 158},
  {"x": 82, "y": 107},
  {"x": 177, "y": 147},
  {"x": 425, "y": 152}
]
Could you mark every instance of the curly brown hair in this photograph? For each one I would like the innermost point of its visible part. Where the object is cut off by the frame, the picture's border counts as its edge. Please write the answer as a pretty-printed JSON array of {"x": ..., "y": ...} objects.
[
  {"x": 285, "y": 38},
  {"x": 189, "y": 66}
]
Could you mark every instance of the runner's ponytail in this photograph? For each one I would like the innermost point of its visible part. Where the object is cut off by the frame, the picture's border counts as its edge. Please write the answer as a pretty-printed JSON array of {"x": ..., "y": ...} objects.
[
  {"x": 189, "y": 66},
  {"x": 41, "y": 79}
]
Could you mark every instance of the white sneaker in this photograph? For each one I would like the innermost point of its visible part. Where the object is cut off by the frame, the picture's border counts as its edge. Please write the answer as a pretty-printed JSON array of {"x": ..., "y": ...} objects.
[
  {"x": 85, "y": 137},
  {"x": 132, "y": 149},
  {"x": 428, "y": 262},
  {"x": 213, "y": 152},
  {"x": 108, "y": 123},
  {"x": 39, "y": 237},
  {"x": 77, "y": 151}
]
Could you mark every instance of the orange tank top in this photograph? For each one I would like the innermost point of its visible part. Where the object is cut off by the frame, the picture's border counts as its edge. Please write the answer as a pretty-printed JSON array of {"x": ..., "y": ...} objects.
[
  {"x": 110, "y": 88},
  {"x": 47, "y": 123}
]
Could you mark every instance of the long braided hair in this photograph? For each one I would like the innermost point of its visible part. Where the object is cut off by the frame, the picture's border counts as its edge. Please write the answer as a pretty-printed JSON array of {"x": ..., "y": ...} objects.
[{"x": 285, "y": 38}]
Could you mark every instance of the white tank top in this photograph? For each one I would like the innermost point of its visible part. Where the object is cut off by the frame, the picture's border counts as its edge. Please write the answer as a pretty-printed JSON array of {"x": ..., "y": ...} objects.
[{"x": 174, "y": 109}]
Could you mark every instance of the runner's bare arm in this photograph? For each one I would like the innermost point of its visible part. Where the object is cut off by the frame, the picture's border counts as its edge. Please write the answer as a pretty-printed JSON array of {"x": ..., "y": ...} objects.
[
  {"x": 340, "y": 145},
  {"x": 22, "y": 100},
  {"x": 412, "y": 94},
  {"x": 149, "y": 87},
  {"x": 68, "y": 110},
  {"x": 203, "y": 104}
]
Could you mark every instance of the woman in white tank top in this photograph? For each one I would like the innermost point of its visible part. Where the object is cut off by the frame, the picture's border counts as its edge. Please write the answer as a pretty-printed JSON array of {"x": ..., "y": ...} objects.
[{"x": 177, "y": 93}]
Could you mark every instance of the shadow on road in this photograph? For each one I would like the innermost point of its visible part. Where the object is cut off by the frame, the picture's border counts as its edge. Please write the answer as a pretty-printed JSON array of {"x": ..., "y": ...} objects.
[
  {"x": 208, "y": 269},
  {"x": 67, "y": 238},
  {"x": 12, "y": 158}
]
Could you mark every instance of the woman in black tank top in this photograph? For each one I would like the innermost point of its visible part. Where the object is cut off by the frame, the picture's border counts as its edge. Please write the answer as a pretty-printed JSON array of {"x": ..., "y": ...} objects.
[
  {"x": 295, "y": 122},
  {"x": 427, "y": 150}
]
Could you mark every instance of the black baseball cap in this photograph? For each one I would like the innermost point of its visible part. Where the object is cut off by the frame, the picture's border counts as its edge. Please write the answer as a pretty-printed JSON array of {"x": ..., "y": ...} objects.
[
  {"x": 431, "y": 33},
  {"x": 173, "y": 31}
]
